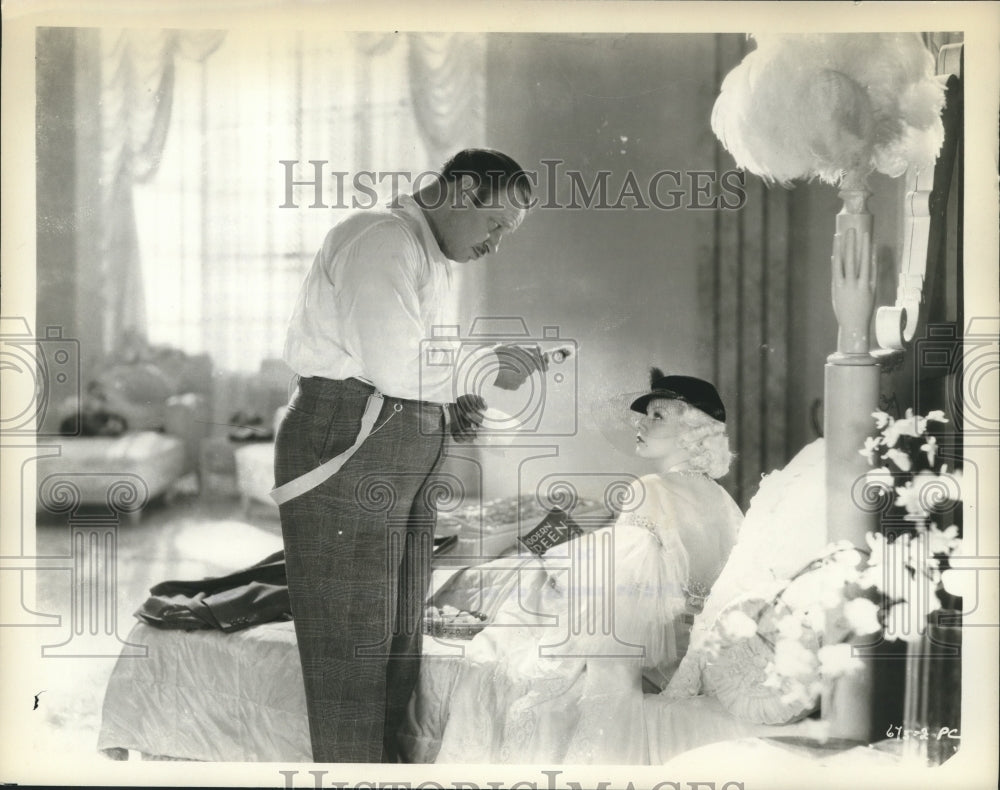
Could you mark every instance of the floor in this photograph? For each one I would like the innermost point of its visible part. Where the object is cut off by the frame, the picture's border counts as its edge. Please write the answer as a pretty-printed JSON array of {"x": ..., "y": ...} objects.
[{"x": 189, "y": 538}]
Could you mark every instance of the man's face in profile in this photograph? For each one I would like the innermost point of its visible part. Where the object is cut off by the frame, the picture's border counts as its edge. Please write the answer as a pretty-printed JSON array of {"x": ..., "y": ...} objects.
[{"x": 476, "y": 228}]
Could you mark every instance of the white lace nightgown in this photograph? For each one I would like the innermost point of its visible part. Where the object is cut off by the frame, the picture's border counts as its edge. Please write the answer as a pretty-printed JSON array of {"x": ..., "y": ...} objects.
[{"x": 557, "y": 677}]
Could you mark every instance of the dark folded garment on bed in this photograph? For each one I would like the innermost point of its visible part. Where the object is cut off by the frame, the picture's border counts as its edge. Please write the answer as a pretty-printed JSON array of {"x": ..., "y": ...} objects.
[{"x": 255, "y": 595}]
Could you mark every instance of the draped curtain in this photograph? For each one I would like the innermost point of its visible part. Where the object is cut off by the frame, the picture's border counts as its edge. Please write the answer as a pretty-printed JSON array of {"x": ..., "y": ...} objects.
[
  {"x": 447, "y": 83},
  {"x": 137, "y": 70},
  {"x": 745, "y": 295},
  {"x": 223, "y": 259}
]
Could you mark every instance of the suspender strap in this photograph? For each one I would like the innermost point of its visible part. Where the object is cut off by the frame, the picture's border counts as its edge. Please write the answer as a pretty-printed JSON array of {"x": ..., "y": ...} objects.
[{"x": 323, "y": 472}]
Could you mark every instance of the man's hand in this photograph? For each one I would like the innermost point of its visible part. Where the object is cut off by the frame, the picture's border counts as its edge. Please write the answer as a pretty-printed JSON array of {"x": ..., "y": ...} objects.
[
  {"x": 466, "y": 417},
  {"x": 517, "y": 363}
]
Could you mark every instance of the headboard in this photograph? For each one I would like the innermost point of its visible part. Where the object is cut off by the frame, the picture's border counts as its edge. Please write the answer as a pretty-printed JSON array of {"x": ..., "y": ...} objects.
[{"x": 855, "y": 373}]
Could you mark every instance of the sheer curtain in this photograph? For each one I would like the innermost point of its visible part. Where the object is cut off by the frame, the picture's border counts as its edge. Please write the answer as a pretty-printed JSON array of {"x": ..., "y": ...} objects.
[
  {"x": 222, "y": 260},
  {"x": 136, "y": 89}
]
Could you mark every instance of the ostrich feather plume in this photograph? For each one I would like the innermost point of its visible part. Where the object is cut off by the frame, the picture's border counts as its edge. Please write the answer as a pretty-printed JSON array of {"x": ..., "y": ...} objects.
[{"x": 822, "y": 105}]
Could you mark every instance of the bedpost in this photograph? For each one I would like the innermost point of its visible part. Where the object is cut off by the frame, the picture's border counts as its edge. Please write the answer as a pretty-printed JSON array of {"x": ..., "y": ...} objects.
[{"x": 851, "y": 395}]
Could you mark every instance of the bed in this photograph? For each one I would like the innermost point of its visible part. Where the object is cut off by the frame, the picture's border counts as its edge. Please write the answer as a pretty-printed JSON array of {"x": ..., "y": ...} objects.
[
  {"x": 203, "y": 696},
  {"x": 212, "y": 683},
  {"x": 162, "y": 401}
]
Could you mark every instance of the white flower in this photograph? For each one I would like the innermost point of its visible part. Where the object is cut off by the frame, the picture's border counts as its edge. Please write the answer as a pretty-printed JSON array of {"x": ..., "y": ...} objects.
[
  {"x": 836, "y": 660},
  {"x": 797, "y": 694},
  {"x": 889, "y": 567},
  {"x": 904, "y": 621},
  {"x": 909, "y": 497},
  {"x": 936, "y": 416},
  {"x": 908, "y": 426},
  {"x": 926, "y": 491},
  {"x": 792, "y": 659},
  {"x": 711, "y": 644},
  {"x": 815, "y": 619},
  {"x": 738, "y": 625},
  {"x": 870, "y": 451},
  {"x": 882, "y": 478},
  {"x": 876, "y": 545},
  {"x": 849, "y": 557},
  {"x": 882, "y": 419},
  {"x": 821, "y": 588},
  {"x": 871, "y": 577},
  {"x": 862, "y": 616},
  {"x": 930, "y": 447},
  {"x": 789, "y": 627},
  {"x": 772, "y": 679},
  {"x": 943, "y": 541},
  {"x": 873, "y": 573},
  {"x": 900, "y": 459}
]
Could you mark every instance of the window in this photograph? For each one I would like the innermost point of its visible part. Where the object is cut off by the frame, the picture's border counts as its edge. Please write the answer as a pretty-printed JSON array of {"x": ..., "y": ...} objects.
[{"x": 222, "y": 262}]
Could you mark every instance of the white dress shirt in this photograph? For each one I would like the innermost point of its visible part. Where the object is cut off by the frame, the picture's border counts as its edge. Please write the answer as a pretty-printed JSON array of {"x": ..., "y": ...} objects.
[{"x": 370, "y": 303}]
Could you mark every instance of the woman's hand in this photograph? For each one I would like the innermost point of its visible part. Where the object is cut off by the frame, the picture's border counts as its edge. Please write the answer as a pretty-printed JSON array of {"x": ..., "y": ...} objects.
[{"x": 853, "y": 285}]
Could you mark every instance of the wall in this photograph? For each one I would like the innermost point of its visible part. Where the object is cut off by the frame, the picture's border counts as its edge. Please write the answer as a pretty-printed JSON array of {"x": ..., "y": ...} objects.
[
  {"x": 67, "y": 233},
  {"x": 56, "y": 179},
  {"x": 632, "y": 286},
  {"x": 635, "y": 287},
  {"x": 622, "y": 283}
]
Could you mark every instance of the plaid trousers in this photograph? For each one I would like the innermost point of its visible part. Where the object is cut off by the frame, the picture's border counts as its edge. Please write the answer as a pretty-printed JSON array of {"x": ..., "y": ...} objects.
[{"x": 358, "y": 553}]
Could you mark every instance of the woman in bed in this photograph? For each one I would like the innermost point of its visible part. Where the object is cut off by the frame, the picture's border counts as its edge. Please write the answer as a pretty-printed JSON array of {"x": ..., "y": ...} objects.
[{"x": 558, "y": 676}]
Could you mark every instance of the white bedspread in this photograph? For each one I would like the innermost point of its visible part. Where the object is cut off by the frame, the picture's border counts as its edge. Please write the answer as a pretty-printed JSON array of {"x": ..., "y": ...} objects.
[{"x": 206, "y": 695}]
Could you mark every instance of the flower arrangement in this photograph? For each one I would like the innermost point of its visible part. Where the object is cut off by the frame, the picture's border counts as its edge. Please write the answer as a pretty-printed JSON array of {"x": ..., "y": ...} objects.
[
  {"x": 824, "y": 105},
  {"x": 890, "y": 586},
  {"x": 923, "y": 492}
]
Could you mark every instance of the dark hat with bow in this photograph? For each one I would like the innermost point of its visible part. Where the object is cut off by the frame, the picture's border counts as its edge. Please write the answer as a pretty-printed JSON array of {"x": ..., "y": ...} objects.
[{"x": 695, "y": 392}]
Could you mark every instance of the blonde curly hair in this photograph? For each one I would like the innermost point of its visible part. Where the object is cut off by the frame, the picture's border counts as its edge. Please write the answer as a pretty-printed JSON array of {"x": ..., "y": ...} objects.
[{"x": 705, "y": 438}]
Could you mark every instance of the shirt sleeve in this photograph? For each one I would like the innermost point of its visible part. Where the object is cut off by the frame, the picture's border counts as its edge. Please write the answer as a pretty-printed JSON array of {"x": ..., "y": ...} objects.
[{"x": 382, "y": 325}]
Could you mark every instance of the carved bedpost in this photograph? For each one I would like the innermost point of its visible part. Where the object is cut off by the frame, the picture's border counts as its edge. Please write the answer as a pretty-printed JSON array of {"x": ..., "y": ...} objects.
[
  {"x": 852, "y": 373},
  {"x": 851, "y": 395}
]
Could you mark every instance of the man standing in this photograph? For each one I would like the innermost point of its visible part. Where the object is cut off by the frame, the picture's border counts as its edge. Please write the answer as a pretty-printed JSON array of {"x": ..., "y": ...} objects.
[{"x": 356, "y": 454}]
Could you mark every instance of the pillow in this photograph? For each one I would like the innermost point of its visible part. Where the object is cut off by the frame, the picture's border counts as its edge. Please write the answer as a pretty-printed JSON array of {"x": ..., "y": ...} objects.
[
  {"x": 784, "y": 528},
  {"x": 736, "y": 671}
]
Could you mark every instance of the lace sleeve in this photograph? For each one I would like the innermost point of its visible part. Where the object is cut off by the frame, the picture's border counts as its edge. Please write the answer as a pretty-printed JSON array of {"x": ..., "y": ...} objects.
[{"x": 650, "y": 578}]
